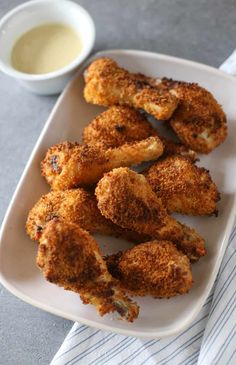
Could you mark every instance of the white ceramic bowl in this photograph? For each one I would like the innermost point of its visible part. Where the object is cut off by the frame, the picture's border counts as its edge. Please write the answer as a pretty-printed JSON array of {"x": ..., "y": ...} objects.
[{"x": 36, "y": 13}]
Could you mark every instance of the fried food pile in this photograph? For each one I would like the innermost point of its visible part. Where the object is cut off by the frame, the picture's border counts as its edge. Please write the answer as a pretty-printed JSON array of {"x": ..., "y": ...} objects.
[
  {"x": 69, "y": 257},
  {"x": 94, "y": 189}
]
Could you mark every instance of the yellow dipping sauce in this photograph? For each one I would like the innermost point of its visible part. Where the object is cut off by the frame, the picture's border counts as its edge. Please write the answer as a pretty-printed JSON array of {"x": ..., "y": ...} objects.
[{"x": 45, "y": 49}]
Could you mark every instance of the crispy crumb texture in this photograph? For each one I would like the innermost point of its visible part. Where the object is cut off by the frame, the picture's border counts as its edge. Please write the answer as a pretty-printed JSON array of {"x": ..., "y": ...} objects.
[
  {"x": 108, "y": 84},
  {"x": 69, "y": 165},
  {"x": 127, "y": 199},
  {"x": 153, "y": 268},
  {"x": 199, "y": 121},
  {"x": 122, "y": 124},
  {"x": 69, "y": 257},
  {"x": 116, "y": 126},
  {"x": 183, "y": 187},
  {"x": 75, "y": 206}
]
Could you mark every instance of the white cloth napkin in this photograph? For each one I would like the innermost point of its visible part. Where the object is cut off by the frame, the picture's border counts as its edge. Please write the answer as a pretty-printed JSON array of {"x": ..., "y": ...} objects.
[{"x": 209, "y": 340}]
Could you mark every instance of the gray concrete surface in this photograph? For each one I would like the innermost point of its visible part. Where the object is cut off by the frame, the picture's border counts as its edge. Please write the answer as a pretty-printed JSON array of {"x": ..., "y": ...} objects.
[{"x": 201, "y": 30}]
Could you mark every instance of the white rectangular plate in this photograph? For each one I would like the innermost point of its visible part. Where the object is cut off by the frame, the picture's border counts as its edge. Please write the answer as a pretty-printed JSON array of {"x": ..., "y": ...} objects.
[{"x": 158, "y": 318}]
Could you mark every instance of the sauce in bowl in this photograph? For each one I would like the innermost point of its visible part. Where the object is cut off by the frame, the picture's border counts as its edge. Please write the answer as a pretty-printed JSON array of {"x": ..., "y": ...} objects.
[{"x": 45, "y": 49}]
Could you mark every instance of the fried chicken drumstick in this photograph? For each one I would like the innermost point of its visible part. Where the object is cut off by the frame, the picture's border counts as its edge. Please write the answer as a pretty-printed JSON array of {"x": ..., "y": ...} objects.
[
  {"x": 108, "y": 84},
  {"x": 69, "y": 257},
  {"x": 116, "y": 126},
  {"x": 74, "y": 206},
  {"x": 153, "y": 268},
  {"x": 199, "y": 121},
  {"x": 68, "y": 165},
  {"x": 127, "y": 199},
  {"x": 122, "y": 124},
  {"x": 183, "y": 187}
]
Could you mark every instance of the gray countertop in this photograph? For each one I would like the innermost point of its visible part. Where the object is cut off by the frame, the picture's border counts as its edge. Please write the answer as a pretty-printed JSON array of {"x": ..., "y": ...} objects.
[{"x": 200, "y": 30}]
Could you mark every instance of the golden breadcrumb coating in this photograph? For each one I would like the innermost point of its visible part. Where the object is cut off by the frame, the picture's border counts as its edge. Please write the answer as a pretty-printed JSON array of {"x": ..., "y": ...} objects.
[
  {"x": 121, "y": 124},
  {"x": 108, "y": 84},
  {"x": 68, "y": 165},
  {"x": 69, "y": 257},
  {"x": 56, "y": 158},
  {"x": 116, "y": 126},
  {"x": 127, "y": 199},
  {"x": 153, "y": 268},
  {"x": 75, "y": 206},
  {"x": 199, "y": 121},
  {"x": 183, "y": 187}
]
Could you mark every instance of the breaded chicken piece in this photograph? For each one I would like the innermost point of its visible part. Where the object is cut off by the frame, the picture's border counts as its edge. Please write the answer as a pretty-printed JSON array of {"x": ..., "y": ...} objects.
[
  {"x": 69, "y": 257},
  {"x": 121, "y": 124},
  {"x": 74, "y": 206},
  {"x": 199, "y": 121},
  {"x": 108, "y": 84},
  {"x": 127, "y": 199},
  {"x": 116, "y": 126},
  {"x": 68, "y": 165},
  {"x": 183, "y": 187},
  {"x": 153, "y": 268}
]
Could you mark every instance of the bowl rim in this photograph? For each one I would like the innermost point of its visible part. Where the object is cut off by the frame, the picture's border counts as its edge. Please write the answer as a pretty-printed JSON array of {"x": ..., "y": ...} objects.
[{"x": 4, "y": 67}]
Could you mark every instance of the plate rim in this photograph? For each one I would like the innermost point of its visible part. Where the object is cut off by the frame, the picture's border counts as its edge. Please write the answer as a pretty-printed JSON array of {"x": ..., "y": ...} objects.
[{"x": 128, "y": 332}]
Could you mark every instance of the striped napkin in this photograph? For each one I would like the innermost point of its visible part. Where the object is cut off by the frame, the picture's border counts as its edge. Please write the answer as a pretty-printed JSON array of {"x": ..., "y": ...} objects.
[{"x": 209, "y": 340}]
